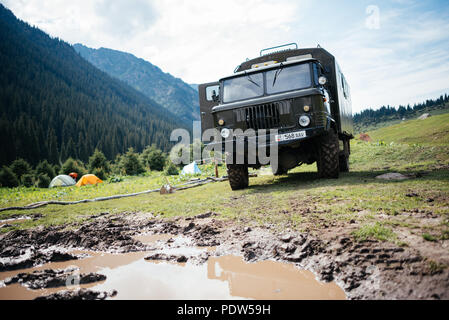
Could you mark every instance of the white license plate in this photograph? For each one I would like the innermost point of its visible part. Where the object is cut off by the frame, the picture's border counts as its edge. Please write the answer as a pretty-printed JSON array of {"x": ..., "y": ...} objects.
[{"x": 290, "y": 136}]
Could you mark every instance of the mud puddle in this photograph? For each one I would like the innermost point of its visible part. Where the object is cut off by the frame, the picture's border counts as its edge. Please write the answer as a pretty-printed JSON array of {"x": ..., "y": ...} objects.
[{"x": 158, "y": 275}]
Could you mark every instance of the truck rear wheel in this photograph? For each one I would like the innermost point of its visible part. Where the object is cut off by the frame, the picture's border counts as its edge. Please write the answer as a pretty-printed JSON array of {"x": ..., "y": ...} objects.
[
  {"x": 344, "y": 157},
  {"x": 238, "y": 176},
  {"x": 328, "y": 156},
  {"x": 279, "y": 171}
]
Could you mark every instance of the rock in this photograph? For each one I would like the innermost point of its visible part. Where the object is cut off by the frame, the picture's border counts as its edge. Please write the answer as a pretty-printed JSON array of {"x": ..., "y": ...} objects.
[
  {"x": 288, "y": 248},
  {"x": 392, "y": 176},
  {"x": 81, "y": 294},
  {"x": 206, "y": 215},
  {"x": 189, "y": 227},
  {"x": 286, "y": 238},
  {"x": 52, "y": 278},
  {"x": 181, "y": 259},
  {"x": 247, "y": 229},
  {"x": 411, "y": 195},
  {"x": 248, "y": 244},
  {"x": 166, "y": 257},
  {"x": 424, "y": 116}
]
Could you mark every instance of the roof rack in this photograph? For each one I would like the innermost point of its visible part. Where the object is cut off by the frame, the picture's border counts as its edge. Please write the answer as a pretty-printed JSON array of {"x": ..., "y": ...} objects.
[{"x": 284, "y": 45}]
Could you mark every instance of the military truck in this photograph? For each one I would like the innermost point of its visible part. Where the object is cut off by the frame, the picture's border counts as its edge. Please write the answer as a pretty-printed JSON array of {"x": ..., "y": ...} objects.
[{"x": 301, "y": 94}]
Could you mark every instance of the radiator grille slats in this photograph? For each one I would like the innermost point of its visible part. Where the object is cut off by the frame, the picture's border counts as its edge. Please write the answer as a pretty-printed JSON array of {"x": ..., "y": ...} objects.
[{"x": 263, "y": 116}]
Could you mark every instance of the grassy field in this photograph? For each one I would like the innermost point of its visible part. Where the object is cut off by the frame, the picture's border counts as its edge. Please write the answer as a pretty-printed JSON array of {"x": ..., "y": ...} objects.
[
  {"x": 364, "y": 127},
  {"x": 373, "y": 208}
]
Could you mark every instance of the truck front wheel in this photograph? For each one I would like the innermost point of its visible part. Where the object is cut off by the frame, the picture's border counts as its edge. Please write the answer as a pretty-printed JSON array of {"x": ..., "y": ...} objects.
[
  {"x": 328, "y": 156},
  {"x": 238, "y": 176}
]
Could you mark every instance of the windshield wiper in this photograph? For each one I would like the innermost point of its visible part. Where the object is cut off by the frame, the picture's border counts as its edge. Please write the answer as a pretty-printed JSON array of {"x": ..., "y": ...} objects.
[
  {"x": 277, "y": 73},
  {"x": 251, "y": 80}
]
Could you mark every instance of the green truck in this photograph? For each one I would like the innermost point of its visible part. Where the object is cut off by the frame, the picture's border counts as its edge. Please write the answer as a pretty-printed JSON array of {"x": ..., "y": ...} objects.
[{"x": 296, "y": 100}]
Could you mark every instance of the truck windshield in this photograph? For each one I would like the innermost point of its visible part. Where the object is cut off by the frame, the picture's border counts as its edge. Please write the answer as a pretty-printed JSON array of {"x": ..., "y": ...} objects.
[
  {"x": 285, "y": 78},
  {"x": 245, "y": 87},
  {"x": 289, "y": 78}
]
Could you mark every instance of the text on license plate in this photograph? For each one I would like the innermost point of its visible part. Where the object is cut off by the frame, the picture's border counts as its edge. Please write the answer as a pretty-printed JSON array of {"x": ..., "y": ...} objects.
[{"x": 290, "y": 136}]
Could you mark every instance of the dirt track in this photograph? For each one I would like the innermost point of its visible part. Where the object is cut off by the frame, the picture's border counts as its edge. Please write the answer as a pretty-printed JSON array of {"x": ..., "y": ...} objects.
[{"x": 365, "y": 270}]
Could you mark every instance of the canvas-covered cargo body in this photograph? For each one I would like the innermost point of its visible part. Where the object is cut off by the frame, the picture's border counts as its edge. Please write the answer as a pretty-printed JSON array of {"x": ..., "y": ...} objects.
[{"x": 302, "y": 94}]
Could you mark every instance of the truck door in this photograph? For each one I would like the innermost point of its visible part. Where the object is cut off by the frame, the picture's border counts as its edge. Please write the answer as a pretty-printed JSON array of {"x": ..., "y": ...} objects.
[{"x": 209, "y": 98}]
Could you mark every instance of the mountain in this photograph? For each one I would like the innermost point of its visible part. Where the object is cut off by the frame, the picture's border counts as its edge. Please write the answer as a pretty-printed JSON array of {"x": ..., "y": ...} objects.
[
  {"x": 54, "y": 104},
  {"x": 170, "y": 92}
]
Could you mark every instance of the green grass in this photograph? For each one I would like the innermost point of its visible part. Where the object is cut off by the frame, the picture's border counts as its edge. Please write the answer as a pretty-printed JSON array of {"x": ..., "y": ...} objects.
[
  {"x": 433, "y": 131},
  {"x": 376, "y": 231},
  {"x": 299, "y": 200}
]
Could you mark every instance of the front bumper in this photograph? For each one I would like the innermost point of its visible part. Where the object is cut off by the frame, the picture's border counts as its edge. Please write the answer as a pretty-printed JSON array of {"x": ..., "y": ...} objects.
[{"x": 262, "y": 141}]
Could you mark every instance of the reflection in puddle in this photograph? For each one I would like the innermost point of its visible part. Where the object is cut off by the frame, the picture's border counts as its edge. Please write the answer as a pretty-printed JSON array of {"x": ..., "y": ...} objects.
[
  {"x": 227, "y": 277},
  {"x": 270, "y": 280}
]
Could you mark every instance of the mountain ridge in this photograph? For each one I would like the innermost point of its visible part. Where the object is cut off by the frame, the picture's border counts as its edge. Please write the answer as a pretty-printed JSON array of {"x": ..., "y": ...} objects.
[{"x": 170, "y": 92}]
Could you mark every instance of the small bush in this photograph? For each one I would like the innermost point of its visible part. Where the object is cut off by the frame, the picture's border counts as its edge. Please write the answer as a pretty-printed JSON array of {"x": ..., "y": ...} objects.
[
  {"x": 43, "y": 181},
  {"x": 170, "y": 169},
  {"x": 27, "y": 180},
  {"x": 130, "y": 163},
  {"x": 100, "y": 173},
  {"x": 20, "y": 167},
  {"x": 8, "y": 178},
  {"x": 72, "y": 165},
  {"x": 56, "y": 169},
  {"x": 99, "y": 163},
  {"x": 115, "y": 179},
  {"x": 45, "y": 168},
  {"x": 153, "y": 158}
]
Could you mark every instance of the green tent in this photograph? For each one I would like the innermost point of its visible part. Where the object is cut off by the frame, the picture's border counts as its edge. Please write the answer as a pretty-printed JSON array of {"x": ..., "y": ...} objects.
[{"x": 62, "y": 181}]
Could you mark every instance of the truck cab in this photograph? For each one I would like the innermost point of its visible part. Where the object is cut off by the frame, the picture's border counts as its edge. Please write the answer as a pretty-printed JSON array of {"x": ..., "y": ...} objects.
[{"x": 296, "y": 100}]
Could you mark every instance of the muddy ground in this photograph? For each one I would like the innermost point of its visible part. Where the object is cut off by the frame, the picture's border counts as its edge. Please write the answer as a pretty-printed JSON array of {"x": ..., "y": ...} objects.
[{"x": 365, "y": 270}]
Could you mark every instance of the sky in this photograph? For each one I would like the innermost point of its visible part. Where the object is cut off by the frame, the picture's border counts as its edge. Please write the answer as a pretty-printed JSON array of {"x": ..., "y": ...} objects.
[{"x": 392, "y": 52}]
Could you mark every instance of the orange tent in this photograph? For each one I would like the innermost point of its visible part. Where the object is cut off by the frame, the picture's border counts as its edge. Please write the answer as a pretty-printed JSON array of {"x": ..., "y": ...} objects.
[{"x": 88, "y": 179}]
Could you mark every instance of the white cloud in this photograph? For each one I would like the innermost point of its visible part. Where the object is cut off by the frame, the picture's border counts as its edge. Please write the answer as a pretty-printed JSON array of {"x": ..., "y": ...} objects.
[{"x": 404, "y": 61}]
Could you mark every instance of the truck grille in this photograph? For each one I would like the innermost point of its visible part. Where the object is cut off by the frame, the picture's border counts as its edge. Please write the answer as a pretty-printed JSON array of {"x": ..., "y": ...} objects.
[{"x": 263, "y": 116}]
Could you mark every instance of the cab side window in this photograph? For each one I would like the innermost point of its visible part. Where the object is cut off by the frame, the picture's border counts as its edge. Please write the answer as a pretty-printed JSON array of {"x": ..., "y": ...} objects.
[
  {"x": 213, "y": 93},
  {"x": 344, "y": 85}
]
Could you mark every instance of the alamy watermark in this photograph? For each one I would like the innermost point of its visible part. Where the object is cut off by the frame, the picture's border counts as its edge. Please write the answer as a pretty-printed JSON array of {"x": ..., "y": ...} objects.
[
  {"x": 372, "y": 20},
  {"x": 248, "y": 147}
]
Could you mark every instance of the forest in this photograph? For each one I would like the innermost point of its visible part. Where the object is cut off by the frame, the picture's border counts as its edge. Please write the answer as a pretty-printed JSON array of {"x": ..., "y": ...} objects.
[{"x": 54, "y": 105}]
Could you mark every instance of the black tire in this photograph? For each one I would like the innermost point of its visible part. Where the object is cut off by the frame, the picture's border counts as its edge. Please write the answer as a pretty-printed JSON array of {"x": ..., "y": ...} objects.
[
  {"x": 344, "y": 163},
  {"x": 279, "y": 172},
  {"x": 344, "y": 157},
  {"x": 238, "y": 176},
  {"x": 328, "y": 156}
]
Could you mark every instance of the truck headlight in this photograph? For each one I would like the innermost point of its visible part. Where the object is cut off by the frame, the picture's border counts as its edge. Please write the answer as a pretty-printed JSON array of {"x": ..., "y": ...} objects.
[
  {"x": 322, "y": 80},
  {"x": 225, "y": 133},
  {"x": 304, "y": 121}
]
